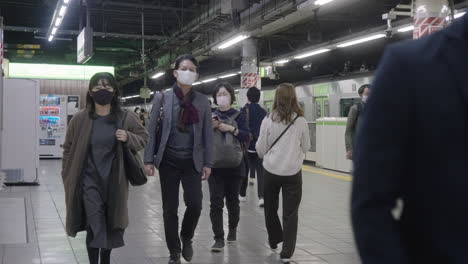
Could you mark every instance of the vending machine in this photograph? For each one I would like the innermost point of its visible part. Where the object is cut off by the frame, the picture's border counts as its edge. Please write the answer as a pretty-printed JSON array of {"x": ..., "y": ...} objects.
[{"x": 55, "y": 112}]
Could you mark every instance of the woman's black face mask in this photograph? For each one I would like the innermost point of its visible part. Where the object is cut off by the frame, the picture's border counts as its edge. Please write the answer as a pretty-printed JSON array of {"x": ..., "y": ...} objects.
[{"x": 103, "y": 97}]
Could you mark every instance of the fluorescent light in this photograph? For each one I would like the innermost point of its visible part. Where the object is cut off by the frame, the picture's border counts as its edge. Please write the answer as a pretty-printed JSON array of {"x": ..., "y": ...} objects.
[
  {"x": 323, "y": 2},
  {"x": 130, "y": 97},
  {"x": 228, "y": 75},
  {"x": 197, "y": 83},
  {"x": 58, "y": 22},
  {"x": 54, "y": 30},
  {"x": 62, "y": 11},
  {"x": 239, "y": 72},
  {"x": 362, "y": 40},
  {"x": 406, "y": 29},
  {"x": 157, "y": 75},
  {"x": 66, "y": 1},
  {"x": 152, "y": 93},
  {"x": 458, "y": 15},
  {"x": 209, "y": 80},
  {"x": 308, "y": 54},
  {"x": 281, "y": 61},
  {"x": 51, "y": 38},
  {"x": 233, "y": 41}
]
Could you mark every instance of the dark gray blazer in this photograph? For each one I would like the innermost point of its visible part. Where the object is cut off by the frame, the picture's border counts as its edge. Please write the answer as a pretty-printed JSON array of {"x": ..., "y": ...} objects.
[{"x": 203, "y": 131}]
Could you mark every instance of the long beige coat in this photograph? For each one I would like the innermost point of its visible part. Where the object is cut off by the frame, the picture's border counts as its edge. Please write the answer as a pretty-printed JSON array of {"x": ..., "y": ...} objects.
[{"x": 74, "y": 157}]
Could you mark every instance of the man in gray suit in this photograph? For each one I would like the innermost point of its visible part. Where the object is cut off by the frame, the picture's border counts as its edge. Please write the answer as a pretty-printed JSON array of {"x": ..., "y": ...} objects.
[{"x": 181, "y": 148}]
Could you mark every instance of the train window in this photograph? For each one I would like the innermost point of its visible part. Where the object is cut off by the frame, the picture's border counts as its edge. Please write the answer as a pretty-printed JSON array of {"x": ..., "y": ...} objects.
[{"x": 346, "y": 104}]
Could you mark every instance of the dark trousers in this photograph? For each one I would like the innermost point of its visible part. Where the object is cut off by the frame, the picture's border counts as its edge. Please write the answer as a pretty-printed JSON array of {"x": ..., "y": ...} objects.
[
  {"x": 172, "y": 172},
  {"x": 245, "y": 175},
  {"x": 291, "y": 187},
  {"x": 224, "y": 183},
  {"x": 255, "y": 168}
]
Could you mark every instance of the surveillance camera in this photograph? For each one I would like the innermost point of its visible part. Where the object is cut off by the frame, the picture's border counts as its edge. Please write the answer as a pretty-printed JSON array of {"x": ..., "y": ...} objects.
[{"x": 389, "y": 33}]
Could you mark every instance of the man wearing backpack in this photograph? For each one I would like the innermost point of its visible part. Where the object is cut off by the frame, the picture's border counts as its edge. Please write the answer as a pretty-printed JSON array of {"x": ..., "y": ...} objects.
[{"x": 353, "y": 118}]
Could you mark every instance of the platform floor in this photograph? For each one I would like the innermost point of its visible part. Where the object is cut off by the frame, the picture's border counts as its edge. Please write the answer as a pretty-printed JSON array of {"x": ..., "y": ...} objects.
[{"x": 324, "y": 229}]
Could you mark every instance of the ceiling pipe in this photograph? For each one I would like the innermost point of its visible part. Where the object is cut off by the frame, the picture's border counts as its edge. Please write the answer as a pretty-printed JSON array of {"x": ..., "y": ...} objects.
[
  {"x": 146, "y": 6},
  {"x": 76, "y": 33}
]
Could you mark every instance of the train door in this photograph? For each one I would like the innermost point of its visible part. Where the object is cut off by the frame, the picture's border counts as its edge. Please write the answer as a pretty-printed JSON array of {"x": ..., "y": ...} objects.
[{"x": 322, "y": 107}]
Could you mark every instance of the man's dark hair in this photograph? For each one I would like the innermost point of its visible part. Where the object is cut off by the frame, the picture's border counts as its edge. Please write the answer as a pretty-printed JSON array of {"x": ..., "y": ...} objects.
[
  {"x": 181, "y": 58},
  {"x": 228, "y": 88},
  {"x": 363, "y": 88},
  {"x": 253, "y": 94},
  {"x": 115, "y": 103}
]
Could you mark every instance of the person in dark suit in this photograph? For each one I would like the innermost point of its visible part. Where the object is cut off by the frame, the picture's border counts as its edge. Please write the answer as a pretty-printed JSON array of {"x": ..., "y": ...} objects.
[{"x": 412, "y": 145}]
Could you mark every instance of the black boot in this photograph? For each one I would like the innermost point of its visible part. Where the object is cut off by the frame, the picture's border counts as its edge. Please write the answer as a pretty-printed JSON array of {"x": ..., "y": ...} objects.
[
  {"x": 105, "y": 256},
  {"x": 174, "y": 259}
]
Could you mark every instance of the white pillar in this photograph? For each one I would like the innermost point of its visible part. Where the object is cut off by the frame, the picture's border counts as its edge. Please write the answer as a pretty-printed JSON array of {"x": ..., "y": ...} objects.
[
  {"x": 249, "y": 70},
  {"x": 430, "y": 16}
]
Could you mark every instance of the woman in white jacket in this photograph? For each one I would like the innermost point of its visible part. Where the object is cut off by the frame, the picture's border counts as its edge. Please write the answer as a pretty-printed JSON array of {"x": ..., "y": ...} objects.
[{"x": 283, "y": 142}]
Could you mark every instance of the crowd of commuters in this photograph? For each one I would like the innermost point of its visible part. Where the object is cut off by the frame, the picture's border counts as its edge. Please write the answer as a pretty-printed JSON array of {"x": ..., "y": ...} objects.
[{"x": 190, "y": 141}]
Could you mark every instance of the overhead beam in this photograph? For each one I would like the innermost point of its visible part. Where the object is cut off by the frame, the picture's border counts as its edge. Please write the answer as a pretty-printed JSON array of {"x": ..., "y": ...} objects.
[
  {"x": 146, "y": 6},
  {"x": 76, "y": 33}
]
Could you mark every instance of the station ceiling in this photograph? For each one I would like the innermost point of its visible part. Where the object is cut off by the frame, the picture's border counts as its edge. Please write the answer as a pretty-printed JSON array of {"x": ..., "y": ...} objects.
[{"x": 176, "y": 26}]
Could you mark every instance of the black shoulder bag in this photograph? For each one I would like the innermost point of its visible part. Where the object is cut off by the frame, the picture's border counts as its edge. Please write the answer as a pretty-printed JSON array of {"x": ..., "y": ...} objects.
[{"x": 133, "y": 165}]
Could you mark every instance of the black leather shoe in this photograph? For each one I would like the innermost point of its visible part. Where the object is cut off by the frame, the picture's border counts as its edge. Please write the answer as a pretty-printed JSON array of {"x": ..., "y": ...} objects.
[
  {"x": 187, "y": 249},
  {"x": 273, "y": 245},
  {"x": 174, "y": 259},
  {"x": 232, "y": 236},
  {"x": 218, "y": 245}
]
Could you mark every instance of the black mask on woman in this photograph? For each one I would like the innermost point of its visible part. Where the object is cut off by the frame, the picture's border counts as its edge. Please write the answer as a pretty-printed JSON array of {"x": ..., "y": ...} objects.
[{"x": 103, "y": 97}]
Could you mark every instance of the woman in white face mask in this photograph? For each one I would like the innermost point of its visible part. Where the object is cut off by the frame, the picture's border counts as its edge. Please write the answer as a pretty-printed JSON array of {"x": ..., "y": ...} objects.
[
  {"x": 230, "y": 132},
  {"x": 180, "y": 147}
]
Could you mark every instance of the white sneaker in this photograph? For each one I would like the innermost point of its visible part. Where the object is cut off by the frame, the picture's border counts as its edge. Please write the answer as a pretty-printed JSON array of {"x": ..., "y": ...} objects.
[
  {"x": 251, "y": 181},
  {"x": 242, "y": 199},
  {"x": 286, "y": 260},
  {"x": 261, "y": 203}
]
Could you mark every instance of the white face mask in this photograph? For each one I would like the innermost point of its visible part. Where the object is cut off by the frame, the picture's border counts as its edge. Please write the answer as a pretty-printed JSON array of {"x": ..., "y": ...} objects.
[
  {"x": 186, "y": 77},
  {"x": 365, "y": 98},
  {"x": 223, "y": 101}
]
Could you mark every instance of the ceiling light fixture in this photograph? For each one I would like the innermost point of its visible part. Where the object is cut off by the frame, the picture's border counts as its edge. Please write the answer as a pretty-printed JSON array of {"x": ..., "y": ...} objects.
[
  {"x": 313, "y": 53},
  {"x": 197, "y": 83},
  {"x": 361, "y": 40},
  {"x": 282, "y": 61},
  {"x": 233, "y": 41},
  {"x": 457, "y": 15},
  {"x": 57, "y": 19},
  {"x": 157, "y": 75},
  {"x": 62, "y": 11},
  {"x": 406, "y": 29},
  {"x": 209, "y": 80},
  {"x": 58, "y": 22},
  {"x": 227, "y": 75},
  {"x": 323, "y": 2}
]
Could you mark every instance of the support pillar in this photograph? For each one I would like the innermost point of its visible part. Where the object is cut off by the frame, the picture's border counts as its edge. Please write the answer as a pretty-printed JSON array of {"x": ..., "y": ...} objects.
[
  {"x": 249, "y": 70},
  {"x": 430, "y": 16}
]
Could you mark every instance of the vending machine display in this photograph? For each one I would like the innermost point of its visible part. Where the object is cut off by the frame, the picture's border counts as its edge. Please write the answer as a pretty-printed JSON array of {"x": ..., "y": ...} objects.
[{"x": 53, "y": 120}]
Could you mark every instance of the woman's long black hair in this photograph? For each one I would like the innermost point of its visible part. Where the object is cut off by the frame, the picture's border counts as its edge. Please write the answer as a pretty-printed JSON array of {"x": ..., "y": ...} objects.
[{"x": 115, "y": 103}]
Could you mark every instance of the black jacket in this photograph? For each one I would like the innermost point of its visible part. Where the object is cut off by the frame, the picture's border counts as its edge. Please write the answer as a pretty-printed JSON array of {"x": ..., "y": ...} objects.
[
  {"x": 413, "y": 144},
  {"x": 256, "y": 114}
]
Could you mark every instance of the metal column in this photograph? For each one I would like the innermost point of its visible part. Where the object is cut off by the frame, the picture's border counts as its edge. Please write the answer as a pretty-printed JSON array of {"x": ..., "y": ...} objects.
[
  {"x": 430, "y": 16},
  {"x": 249, "y": 70}
]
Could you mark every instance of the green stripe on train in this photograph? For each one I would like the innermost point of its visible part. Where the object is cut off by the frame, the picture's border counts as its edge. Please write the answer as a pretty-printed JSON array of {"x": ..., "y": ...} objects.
[{"x": 332, "y": 123}]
